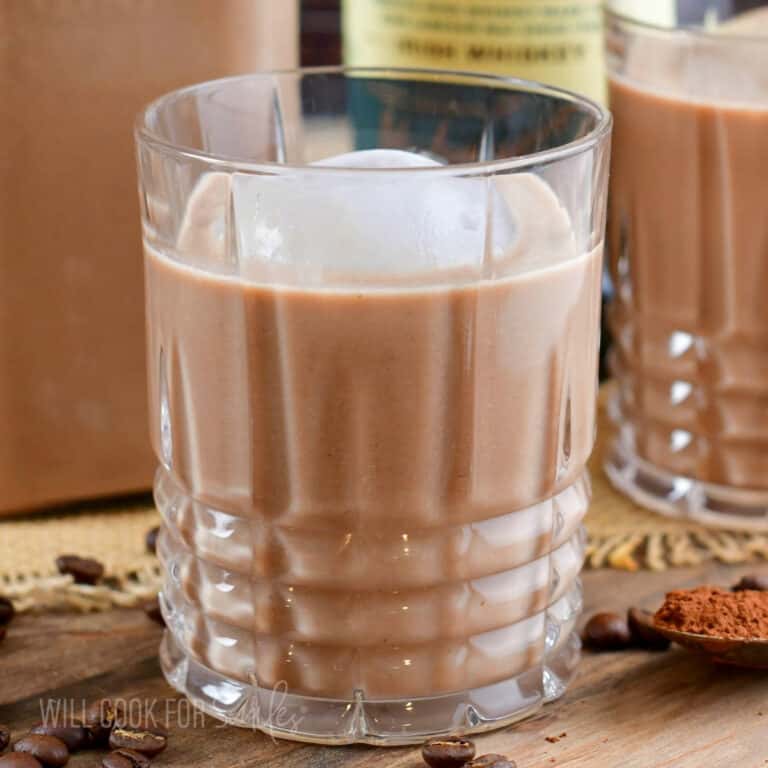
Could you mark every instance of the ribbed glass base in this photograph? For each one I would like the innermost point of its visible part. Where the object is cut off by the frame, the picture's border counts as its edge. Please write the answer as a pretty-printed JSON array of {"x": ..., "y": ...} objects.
[
  {"x": 717, "y": 506},
  {"x": 282, "y": 714}
]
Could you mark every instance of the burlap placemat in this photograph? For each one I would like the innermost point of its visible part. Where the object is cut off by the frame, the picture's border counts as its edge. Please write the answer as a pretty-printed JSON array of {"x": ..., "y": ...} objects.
[
  {"x": 112, "y": 532},
  {"x": 621, "y": 535}
]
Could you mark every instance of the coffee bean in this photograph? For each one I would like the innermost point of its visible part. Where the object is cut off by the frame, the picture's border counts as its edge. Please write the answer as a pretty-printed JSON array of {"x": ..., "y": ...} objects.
[
  {"x": 149, "y": 740},
  {"x": 84, "y": 570},
  {"x": 151, "y": 539},
  {"x": 447, "y": 751},
  {"x": 49, "y": 750},
  {"x": 491, "y": 761},
  {"x": 19, "y": 760},
  {"x": 116, "y": 760},
  {"x": 99, "y": 719},
  {"x": 125, "y": 758},
  {"x": 152, "y": 609},
  {"x": 3, "y": 633},
  {"x": 606, "y": 632},
  {"x": 5, "y": 737},
  {"x": 76, "y": 737},
  {"x": 7, "y": 611},
  {"x": 643, "y": 631},
  {"x": 754, "y": 581}
]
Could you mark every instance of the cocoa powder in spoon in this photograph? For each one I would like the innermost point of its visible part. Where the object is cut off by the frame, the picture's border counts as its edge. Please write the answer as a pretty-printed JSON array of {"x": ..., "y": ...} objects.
[{"x": 716, "y": 612}]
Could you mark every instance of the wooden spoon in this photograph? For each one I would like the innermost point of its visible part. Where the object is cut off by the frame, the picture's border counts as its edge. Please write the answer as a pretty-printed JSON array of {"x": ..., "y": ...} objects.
[{"x": 740, "y": 652}]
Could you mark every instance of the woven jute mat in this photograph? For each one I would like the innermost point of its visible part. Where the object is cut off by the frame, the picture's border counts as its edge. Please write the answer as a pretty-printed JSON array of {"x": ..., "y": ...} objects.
[
  {"x": 112, "y": 532},
  {"x": 621, "y": 535}
]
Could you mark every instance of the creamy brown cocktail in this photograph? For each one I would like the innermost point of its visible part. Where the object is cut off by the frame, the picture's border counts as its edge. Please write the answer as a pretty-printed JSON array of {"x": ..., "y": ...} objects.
[
  {"x": 688, "y": 260},
  {"x": 373, "y": 386}
]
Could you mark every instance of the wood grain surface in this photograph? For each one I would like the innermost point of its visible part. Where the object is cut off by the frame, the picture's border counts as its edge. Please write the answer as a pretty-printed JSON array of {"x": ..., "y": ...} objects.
[{"x": 625, "y": 710}]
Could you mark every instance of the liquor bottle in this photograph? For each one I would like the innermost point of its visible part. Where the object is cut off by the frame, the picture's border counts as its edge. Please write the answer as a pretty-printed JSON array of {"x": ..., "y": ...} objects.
[{"x": 559, "y": 42}]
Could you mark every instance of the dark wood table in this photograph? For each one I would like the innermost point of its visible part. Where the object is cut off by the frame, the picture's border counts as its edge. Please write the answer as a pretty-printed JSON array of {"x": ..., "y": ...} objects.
[{"x": 625, "y": 710}]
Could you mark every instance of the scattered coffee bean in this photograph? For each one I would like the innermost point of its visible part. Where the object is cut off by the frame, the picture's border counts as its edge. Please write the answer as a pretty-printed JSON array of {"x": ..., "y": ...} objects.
[
  {"x": 754, "y": 581},
  {"x": 644, "y": 633},
  {"x": 606, "y": 632},
  {"x": 116, "y": 760},
  {"x": 5, "y": 737},
  {"x": 152, "y": 609},
  {"x": 99, "y": 719},
  {"x": 19, "y": 760},
  {"x": 447, "y": 751},
  {"x": 149, "y": 740},
  {"x": 491, "y": 761},
  {"x": 76, "y": 737},
  {"x": 7, "y": 611},
  {"x": 84, "y": 570},
  {"x": 125, "y": 758},
  {"x": 151, "y": 539},
  {"x": 49, "y": 750}
]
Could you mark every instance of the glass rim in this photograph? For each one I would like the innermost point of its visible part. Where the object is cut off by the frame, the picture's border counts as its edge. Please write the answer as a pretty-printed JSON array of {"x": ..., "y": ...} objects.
[
  {"x": 145, "y": 136},
  {"x": 691, "y": 30}
]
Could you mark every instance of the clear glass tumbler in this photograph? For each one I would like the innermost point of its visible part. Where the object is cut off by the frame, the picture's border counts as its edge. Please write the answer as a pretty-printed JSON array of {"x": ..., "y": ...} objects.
[
  {"x": 373, "y": 316},
  {"x": 688, "y": 247}
]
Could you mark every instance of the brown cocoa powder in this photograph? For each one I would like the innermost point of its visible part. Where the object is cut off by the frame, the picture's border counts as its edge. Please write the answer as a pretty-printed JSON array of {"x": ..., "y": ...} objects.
[{"x": 716, "y": 612}]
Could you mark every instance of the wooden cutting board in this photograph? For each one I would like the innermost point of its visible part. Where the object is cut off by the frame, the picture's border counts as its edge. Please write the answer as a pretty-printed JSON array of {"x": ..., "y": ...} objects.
[{"x": 625, "y": 710}]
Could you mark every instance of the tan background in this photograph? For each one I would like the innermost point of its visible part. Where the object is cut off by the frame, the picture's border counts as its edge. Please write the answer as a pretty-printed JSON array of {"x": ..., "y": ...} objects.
[{"x": 73, "y": 75}]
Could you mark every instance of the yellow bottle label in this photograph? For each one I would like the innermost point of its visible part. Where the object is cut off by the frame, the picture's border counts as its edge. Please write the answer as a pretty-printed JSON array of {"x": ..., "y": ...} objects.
[{"x": 559, "y": 42}]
